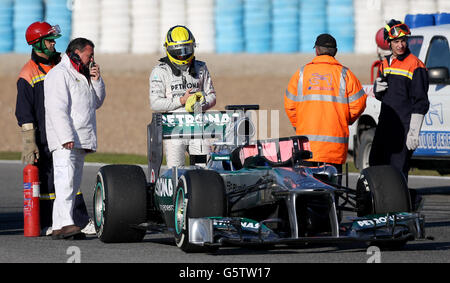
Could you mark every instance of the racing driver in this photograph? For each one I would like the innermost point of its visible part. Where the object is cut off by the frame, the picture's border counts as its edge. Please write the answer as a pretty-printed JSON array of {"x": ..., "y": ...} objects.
[{"x": 177, "y": 84}]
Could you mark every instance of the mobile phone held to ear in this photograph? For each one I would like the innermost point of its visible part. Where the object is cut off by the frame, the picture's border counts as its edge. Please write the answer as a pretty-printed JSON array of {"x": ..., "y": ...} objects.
[{"x": 91, "y": 65}]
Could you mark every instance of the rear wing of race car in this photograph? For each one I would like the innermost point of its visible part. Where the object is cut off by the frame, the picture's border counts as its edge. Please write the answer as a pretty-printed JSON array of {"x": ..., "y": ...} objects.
[{"x": 231, "y": 127}]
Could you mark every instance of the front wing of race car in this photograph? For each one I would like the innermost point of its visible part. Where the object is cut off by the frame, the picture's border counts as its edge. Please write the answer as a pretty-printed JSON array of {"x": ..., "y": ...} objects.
[{"x": 236, "y": 231}]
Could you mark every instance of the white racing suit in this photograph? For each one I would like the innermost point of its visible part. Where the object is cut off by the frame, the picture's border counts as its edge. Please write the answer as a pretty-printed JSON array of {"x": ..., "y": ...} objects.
[{"x": 167, "y": 85}]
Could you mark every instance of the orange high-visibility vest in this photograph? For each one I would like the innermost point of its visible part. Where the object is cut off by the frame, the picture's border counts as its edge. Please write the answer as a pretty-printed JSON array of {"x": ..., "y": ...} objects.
[{"x": 322, "y": 99}]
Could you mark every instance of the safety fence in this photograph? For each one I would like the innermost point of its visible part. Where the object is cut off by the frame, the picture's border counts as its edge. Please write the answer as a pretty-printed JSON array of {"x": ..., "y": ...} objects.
[{"x": 220, "y": 26}]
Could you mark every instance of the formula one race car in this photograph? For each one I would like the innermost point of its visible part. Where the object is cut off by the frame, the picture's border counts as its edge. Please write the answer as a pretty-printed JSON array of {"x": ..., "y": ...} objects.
[{"x": 250, "y": 192}]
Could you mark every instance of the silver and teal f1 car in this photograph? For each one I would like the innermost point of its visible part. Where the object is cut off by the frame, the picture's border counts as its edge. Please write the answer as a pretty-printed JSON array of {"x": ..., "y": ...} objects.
[{"x": 250, "y": 192}]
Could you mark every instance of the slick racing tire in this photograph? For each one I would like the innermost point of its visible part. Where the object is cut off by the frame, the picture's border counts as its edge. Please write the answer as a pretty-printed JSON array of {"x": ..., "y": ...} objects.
[
  {"x": 382, "y": 189},
  {"x": 199, "y": 193},
  {"x": 120, "y": 203}
]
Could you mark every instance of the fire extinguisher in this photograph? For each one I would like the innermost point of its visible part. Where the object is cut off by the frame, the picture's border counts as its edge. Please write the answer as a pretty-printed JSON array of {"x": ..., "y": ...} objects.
[{"x": 31, "y": 191}]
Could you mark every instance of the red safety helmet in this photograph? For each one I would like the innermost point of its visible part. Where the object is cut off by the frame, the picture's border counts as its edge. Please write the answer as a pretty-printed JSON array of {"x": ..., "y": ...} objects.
[
  {"x": 38, "y": 30},
  {"x": 379, "y": 39}
]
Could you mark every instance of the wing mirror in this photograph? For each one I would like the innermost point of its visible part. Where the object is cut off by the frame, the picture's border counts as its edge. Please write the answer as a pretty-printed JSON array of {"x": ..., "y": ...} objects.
[{"x": 438, "y": 75}]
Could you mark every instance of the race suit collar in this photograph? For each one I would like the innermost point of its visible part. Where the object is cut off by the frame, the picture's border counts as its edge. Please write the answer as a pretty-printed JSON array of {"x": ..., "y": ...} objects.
[{"x": 175, "y": 70}]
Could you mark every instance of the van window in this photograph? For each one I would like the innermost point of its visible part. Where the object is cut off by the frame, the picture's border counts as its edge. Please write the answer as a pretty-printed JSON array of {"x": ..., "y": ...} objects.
[
  {"x": 438, "y": 53},
  {"x": 414, "y": 44}
]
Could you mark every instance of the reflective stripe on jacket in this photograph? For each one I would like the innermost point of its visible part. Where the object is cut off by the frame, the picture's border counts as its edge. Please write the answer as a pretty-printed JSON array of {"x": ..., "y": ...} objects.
[
  {"x": 30, "y": 94},
  {"x": 407, "y": 90},
  {"x": 322, "y": 99}
]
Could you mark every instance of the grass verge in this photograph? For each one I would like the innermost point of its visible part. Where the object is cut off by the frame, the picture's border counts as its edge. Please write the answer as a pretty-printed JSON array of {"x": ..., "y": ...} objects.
[
  {"x": 121, "y": 158},
  {"x": 98, "y": 157}
]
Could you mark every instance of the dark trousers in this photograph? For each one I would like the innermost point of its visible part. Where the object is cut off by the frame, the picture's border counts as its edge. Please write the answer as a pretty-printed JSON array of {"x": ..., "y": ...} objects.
[
  {"x": 389, "y": 148},
  {"x": 389, "y": 142},
  {"x": 384, "y": 156}
]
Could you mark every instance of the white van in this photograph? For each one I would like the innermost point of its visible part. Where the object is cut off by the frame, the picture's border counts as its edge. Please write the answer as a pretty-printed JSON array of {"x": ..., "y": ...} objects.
[{"x": 431, "y": 45}]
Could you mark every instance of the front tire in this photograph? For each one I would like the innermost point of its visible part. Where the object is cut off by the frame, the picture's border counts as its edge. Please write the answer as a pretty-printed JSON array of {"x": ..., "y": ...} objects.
[
  {"x": 120, "y": 203},
  {"x": 200, "y": 193},
  {"x": 381, "y": 190}
]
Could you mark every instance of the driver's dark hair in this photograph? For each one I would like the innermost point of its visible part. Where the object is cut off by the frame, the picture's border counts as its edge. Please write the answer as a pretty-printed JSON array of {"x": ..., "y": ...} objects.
[
  {"x": 322, "y": 50},
  {"x": 78, "y": 44}
]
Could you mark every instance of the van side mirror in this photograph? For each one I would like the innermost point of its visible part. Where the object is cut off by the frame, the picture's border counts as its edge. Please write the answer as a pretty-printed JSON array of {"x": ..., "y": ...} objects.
[{"x": 438, "y": 75}]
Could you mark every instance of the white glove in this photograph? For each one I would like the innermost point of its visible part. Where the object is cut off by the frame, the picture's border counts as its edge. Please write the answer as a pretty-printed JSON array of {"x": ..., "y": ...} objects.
[
  {"x": 30, "y": 151},
  {"x": 380, "y": 86},
  {"x": 412, "y": 139}
]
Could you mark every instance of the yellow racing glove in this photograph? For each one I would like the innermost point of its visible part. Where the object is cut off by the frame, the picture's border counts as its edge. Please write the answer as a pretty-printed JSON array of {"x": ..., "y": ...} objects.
[{"x": 190, "y": 102}]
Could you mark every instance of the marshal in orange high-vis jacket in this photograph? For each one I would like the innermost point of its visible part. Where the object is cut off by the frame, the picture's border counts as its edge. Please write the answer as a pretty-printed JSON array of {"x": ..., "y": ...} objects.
[{"x": 322, "y": 99}]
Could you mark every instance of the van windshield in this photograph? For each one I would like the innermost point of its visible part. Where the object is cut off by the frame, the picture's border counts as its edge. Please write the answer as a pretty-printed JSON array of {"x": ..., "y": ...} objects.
[{"x": 438, "y": 53}]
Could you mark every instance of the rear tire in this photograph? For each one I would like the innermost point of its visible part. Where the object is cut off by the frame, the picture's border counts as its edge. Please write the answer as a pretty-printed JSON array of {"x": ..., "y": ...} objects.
[
  {"x": 120, "y": 203},
  {"x": 200, "y": 193}
]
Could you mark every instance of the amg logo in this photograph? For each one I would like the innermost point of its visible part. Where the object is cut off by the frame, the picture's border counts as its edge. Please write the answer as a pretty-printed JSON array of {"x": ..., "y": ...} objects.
[
  {"x": 166, "y": 207},
  {"x": 164, "y": 187}
]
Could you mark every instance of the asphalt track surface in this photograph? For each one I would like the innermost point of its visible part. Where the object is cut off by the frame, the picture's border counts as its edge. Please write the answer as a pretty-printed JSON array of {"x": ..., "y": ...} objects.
[{"x": 160, "y": 248}]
